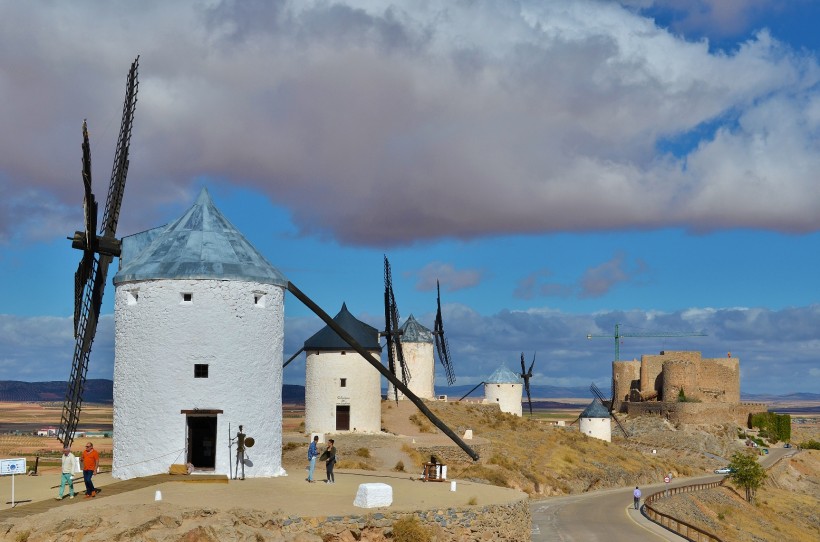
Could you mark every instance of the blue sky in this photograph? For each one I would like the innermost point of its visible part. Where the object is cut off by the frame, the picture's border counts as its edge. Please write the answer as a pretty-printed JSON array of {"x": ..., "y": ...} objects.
[{"x": 560, "y": 167}]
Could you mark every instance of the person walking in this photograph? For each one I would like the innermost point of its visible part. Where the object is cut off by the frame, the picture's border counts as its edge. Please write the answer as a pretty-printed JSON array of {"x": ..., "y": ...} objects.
[
  {"x": 91, "y": 466},
  {"x": 69, "y": 469},
  {"x": 636, "y": 498},
  {"x": 313, "y": 453},
  {"x": 330, "y": 461}
]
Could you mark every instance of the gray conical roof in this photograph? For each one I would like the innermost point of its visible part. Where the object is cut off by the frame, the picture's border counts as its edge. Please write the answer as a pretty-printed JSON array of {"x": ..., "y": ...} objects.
[
  {"x": 502, "y": 375},
  {"x": 414, "y": 332},
  {"x": 327, "y": 339},
  {"x": 201, "y": 244},
  {"x": 596, "y": 409}
]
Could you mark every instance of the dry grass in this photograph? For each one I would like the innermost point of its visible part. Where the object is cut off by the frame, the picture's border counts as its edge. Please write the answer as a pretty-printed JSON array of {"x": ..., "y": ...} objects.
[
  {"x": 541, "y": 459},
  {"x": 410, "y": 529},
  {"x": 423, "y": 424}
]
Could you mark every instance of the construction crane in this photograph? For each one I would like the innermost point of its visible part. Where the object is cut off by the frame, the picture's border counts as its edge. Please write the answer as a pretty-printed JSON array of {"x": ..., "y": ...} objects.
[{"x": 618, "y": 336}]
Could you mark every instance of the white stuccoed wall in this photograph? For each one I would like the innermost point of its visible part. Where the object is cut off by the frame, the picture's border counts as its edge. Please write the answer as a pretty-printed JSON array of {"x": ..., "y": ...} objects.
[
  {"x": 600, "y": 428},
  {"x": 419, "y": 359},
  {"x": 507, "y": 396},
  {"x": 160, "y": 338},
  {"x": 323, "y": 374}
]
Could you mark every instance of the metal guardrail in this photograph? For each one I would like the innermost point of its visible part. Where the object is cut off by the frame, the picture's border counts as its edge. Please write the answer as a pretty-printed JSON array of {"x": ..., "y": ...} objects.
[{"x": 686, "y": 530}]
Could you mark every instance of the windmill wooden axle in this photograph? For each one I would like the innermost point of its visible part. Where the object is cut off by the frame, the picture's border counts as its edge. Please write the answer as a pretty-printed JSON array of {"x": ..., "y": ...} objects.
[{"x": 104, "y": 245}]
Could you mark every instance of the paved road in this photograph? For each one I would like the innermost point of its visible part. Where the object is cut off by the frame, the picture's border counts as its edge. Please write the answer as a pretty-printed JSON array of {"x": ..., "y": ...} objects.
[{"x": 608, "y": 515}]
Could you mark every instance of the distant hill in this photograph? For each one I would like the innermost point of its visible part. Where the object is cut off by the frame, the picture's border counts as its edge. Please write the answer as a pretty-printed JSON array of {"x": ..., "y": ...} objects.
[
  {"x": 96, "y": 391},
  {"x": 767, "y": 398},
  {"x": 102, "y": 391}
]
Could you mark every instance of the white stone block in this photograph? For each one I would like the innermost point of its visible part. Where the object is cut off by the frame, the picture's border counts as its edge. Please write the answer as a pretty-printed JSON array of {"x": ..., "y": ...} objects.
[
  {"x": 373, "y": 496},
  {"x": 468, "y": 434}
]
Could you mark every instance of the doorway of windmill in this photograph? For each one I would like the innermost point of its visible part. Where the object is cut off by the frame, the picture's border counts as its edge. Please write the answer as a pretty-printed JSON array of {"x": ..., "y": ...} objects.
[
  {"x": 342, "y": 417},
  {"x": 202, "y": 442}
]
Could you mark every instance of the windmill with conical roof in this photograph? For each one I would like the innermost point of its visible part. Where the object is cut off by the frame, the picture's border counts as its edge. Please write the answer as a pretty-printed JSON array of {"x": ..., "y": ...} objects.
[
  {"x": 199, "y": 325},
  {"x": 342, "y": 390}
]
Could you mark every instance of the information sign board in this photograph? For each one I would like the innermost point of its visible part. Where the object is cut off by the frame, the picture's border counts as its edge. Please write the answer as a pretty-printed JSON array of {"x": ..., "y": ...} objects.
[{"x": 12, "y": 466}]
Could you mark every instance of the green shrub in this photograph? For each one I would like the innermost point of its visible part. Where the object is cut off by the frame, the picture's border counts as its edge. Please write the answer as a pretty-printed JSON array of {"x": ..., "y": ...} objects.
[
  {"x": 810, "y": 445},
  {"x": 776, "y": 427}
]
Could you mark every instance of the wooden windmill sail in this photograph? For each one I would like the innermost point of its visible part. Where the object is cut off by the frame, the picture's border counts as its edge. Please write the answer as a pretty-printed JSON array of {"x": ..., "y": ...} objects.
[
  {"x": 526, "y": 374},
  {"x": 395, "y": 355},
  {"x": 98, "y": 252},
  {"x": 442, "y": 346}
]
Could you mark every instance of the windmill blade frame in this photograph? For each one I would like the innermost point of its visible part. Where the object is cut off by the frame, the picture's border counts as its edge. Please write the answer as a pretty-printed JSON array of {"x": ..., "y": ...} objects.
[
  {"x": 526, "y": 375},
  {"x": 91, "y": 275},
  {"x": 442, "y": 346},
  {"x": 395, "y": 354}
]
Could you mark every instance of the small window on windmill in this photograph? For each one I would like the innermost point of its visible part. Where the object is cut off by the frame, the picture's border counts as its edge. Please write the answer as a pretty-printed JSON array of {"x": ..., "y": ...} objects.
[
  {"x": 343, "y": 383},
  {"x": 200, "y": 370},
  {"x": 259, "y": 299},
  {"x": 187, "y": 298},
  {"x": 133, "y": 297}
]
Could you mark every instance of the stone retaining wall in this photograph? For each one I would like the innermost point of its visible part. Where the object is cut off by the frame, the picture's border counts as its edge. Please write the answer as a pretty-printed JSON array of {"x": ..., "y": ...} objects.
[
  {"x": 497, "y": 523},
  {"x": 698, "y": 413}
]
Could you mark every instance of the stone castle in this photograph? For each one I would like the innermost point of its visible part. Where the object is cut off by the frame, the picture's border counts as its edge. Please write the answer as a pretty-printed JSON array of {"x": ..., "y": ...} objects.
[{"x": 682, "y": 386}]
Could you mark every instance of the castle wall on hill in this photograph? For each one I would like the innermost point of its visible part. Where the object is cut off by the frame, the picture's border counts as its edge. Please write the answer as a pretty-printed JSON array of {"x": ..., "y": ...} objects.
[
  {"x": 719, "y": 380},
  {"x": 697, "y": 413},
  {"x": 671, "y": 376},
  {"x": 626, "y": 375},
  {"x": 651, "y": 372}
]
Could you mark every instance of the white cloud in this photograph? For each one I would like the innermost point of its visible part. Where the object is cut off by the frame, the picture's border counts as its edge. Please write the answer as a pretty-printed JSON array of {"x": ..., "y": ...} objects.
[{"x": 430, "y": 119}]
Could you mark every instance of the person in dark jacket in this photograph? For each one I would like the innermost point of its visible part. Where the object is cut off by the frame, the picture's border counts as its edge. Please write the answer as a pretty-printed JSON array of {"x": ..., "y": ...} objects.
[{"x": 330, "y": 460}]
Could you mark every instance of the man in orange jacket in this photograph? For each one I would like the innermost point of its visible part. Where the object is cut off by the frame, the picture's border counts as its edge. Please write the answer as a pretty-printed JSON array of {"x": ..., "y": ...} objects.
[{"x": 91, "y": 465}]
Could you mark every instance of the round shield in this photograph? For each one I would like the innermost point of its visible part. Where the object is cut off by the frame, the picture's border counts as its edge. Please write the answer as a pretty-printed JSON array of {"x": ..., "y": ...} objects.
[{"x": 249, "y": 442}]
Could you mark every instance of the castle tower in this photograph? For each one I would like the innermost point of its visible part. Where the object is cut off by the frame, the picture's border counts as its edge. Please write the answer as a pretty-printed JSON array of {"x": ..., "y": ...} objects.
[
  {"x": 342, "y": 389},
  {"x": 595, "y": 421},
  {"x": 417, "y": 347},
  {"x": 626, "y": 376},
  {"x": 504, "y": 387},
  {"x": 199, "y": 324}
]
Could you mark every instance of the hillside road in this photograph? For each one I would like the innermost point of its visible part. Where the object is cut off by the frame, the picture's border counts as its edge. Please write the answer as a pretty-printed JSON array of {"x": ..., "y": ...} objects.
[{"x": 608, "y": 515}]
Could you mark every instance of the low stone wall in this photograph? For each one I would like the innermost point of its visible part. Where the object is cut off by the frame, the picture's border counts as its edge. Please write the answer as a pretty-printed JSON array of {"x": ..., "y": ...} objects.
[
  {"x": 498, "y": 523},
  {"x": 697, "y": 413}
]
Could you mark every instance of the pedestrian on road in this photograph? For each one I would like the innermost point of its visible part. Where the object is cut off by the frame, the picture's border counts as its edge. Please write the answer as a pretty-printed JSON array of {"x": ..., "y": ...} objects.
[
  {"x": 69, "y": 469},
  {"x": 636, "y": 498},
  {"x": 330, "y": 460},
  {"x": 91, "y": 466},
  {"x": 313, "y": 453}
]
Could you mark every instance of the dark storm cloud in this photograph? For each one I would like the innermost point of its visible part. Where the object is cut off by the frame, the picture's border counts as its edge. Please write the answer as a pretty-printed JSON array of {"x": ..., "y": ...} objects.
[{"x": 386, "y": 124}]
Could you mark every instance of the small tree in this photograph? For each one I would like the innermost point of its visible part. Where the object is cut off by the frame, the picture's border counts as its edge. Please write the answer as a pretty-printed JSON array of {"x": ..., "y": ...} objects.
[{"x": 746, "y": 473}]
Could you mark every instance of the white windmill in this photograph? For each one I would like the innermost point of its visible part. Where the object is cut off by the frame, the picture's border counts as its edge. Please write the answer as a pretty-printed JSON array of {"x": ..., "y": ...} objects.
[{"x": 199, "y": 323}]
